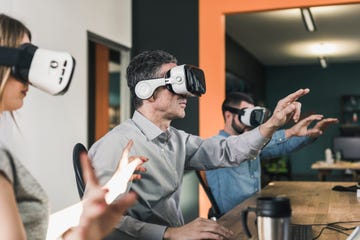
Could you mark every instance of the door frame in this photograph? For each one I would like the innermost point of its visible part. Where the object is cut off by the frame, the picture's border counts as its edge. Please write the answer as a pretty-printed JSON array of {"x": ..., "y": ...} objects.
[{"x": 98, "y": 97}]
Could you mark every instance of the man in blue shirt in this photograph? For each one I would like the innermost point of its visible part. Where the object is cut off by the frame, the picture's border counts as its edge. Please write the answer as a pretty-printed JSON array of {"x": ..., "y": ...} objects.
[{"x": 231, "y": 186}]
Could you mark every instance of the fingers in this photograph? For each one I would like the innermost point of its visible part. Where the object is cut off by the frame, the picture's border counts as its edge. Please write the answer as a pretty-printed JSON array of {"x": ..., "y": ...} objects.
[
  {"x": 323, "y": 124},
  {"x": 313, "y": 117},
  {"x": 87, "y": 170},
  {"x": 94, "y": 203},
  {"x": 295, "y": 96},
  {"x": 297, "y": 112},
  {"x": 135, "y": 176},
  {"x": 125, "y": 202},
  {"x": 314, "y": 132},
  {"x": 309, "y": 119},
  {"x": 212, "y": 230},
  {"x": 287, "y": 101},
  {"x": 330, "y": 120},
  {"x": 215, "y": 228},
  {"x": 288, "y": 110},
  {"x": 125, "y": 159},
  {"x": 142, "y": 158},
  {"x": 125, "y": 154},
  {"x": 140, "y": 169}
]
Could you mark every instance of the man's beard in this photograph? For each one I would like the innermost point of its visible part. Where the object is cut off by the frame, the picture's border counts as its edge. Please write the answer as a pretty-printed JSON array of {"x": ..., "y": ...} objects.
[{"x": 237, "y": 128}]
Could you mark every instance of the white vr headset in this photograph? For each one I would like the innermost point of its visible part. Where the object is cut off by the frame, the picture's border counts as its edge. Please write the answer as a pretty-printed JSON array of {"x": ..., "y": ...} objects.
[
  {"x": 184, "y": 80},
  {"x": 50, "y": 71},
  {"x": 251, "y": 117}
]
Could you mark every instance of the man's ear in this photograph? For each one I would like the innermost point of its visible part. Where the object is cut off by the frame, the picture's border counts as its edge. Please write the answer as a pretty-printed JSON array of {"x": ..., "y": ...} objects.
[
  {"x": 151, "y": 99},
  {"x": 228, "y": 115}
]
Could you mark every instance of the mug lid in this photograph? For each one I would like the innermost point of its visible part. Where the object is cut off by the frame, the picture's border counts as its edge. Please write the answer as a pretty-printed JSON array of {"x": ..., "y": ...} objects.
[{"x": 273, "y": 207}]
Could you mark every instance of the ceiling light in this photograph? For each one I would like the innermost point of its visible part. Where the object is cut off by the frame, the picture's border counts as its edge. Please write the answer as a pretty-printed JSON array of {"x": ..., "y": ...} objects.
[
  {"x": 323, "y": 62},
  {"x": 308, "y": 19},
  {"x": 324, "y": 49}
]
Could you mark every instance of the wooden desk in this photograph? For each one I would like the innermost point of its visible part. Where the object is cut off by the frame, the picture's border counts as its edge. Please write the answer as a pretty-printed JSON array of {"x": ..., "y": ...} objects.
[
  {"x": 325, "y": 168},
  {"x": 311, "y": 203}
]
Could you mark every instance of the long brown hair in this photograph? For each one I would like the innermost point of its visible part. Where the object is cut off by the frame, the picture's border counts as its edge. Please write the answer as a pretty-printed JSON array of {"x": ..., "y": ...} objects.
[{"x": 12, "y": 31}]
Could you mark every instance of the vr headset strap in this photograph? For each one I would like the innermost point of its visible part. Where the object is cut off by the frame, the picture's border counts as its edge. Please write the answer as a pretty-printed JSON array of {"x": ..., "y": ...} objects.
[
  {"x": 15, "y": 57},
  {"x": 233, "y": 110}
]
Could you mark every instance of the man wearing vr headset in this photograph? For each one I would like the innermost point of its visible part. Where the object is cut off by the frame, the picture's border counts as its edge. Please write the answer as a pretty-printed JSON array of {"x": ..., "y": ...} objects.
[
  {"x": 231, "y": 186},
  {"x": 160, "y": 89}
]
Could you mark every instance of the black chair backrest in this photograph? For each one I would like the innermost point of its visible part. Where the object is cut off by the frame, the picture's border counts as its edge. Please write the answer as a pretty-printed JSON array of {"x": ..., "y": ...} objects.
[
  {"x": 214, "y": 211},
  {"x": 80, "y": 183}
]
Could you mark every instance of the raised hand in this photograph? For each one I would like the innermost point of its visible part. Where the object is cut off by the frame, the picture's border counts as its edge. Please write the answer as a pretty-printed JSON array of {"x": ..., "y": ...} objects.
[
  {"x": 301, "y": 127},
  {"x": 97, "y": 214},
  {"x": 98, "y": 218},
  {"x": 286, "y": 109},
  {"x": 324, "y": 124},
  {"x": 200, "y": 228}
]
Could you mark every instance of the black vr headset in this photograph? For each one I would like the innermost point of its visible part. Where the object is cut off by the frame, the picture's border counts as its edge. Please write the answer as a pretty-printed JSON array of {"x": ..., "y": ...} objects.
[
  {"x": 184, "y": 80},
  {"x": 251, "y": 117},
  {"x": 50, "y": 71}
]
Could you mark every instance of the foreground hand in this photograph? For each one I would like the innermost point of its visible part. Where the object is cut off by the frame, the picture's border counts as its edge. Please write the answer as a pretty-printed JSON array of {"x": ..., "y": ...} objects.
[
  {"x": 286, "y": 109},
  {"x": 98, "y": 218},
  {"x": 100, "y": 213},
  {"x": 200, "y": 228}
]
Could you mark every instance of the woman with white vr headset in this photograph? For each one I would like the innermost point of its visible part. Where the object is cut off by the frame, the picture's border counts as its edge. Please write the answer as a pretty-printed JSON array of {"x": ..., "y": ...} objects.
[{"x": 24, "y": 207}]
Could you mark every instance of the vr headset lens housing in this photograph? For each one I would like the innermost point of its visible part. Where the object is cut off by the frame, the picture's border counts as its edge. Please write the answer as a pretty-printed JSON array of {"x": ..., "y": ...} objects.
[
  {"x": 184, "y": 80},
  {"x": 251, "y": 117},
  {"x": 50, "y": 71},
  {"x": 195, "y": 80}
]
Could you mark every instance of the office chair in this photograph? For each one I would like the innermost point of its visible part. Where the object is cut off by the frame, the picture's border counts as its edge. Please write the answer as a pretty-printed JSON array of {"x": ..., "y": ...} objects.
[
  {"x": 80, "y": 183},
  {"x": 214, "y": 210}
]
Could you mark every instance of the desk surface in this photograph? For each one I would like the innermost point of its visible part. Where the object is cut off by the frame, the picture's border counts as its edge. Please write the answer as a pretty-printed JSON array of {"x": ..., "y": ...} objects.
[
  {"x": 339, "y": 165},
  {"x": 311, "y": 203}
]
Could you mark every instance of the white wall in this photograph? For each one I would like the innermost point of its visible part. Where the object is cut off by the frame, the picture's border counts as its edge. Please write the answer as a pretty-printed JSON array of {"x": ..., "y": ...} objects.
[{"x": 52, "y": 125}]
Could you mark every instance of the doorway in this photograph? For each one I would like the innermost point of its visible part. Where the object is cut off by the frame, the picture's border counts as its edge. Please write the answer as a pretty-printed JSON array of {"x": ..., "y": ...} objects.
[{"x": 108, "y": 94}]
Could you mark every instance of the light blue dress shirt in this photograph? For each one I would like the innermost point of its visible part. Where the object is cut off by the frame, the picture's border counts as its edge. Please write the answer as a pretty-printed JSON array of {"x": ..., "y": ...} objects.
[
  {"x": 231, "y": 186},
  {"x": 170, "y": 153}
]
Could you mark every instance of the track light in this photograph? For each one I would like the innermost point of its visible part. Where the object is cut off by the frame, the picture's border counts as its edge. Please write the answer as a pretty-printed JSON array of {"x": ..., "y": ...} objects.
[
  {"x": 308, "y": 19},
  {"x": 323, "y": 62}
]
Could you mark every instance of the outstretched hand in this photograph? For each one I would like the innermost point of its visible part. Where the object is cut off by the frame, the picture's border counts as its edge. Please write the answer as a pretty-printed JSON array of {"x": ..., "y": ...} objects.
[
  {"x": 324, "y": 124},
  {"x": 286, "y": 109},
  {"x": 301, "y": 128}
]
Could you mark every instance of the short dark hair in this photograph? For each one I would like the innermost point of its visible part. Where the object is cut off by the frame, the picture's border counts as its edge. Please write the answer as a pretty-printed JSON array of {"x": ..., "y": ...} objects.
[
  {"x": 146, "y": 65},
  {"x": 235, "y": 98}
]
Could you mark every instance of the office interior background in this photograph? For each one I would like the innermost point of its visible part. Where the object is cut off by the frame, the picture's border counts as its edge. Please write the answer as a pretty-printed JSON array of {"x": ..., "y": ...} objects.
[{"x": 51, "y": 126}]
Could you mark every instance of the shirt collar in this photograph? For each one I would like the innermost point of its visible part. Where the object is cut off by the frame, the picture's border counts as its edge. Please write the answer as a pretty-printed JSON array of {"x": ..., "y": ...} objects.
[
  {"x": 150, "y": 130},
  {"x": 223, "y": 133}
]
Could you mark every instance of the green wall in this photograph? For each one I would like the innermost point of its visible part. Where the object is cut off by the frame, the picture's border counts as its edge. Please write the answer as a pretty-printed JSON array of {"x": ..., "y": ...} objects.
[
  {"x": 247, "y": 69},
  {"x": 172, "y": 25},
  {"x": 326, "y": 86}
]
